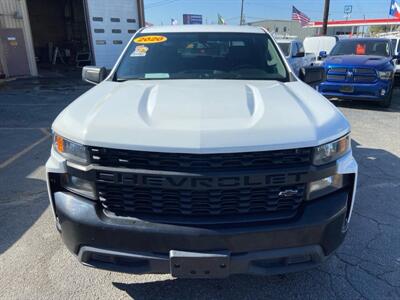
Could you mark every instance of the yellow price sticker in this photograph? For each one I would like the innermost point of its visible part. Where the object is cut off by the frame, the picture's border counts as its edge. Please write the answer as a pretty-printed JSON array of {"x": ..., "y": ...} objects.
[{"x": 150, "y": 39}]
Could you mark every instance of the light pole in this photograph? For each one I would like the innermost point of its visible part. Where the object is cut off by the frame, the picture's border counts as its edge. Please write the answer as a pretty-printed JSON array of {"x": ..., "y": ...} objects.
[
  {"x": 325, "y": 21},
  {"x": 241, "y": 14}
]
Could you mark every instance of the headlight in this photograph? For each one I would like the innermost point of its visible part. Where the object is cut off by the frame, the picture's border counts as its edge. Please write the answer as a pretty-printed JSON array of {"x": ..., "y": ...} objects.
[
  {"x": 78, "y": 185},
  {"x": 332, "y": 151},
  {"x": 325, "y": 186},
  {"x": 70, "y": 150},
  {"x": 385, "y": 75}
]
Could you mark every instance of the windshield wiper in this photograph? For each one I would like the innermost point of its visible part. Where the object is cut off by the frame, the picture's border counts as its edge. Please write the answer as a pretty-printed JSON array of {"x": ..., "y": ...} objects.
[{"x": 130, "y": 78}]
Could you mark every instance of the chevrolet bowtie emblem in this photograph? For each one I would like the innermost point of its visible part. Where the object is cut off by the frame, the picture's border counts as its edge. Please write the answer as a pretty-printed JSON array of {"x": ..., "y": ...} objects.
[{"x": 288, "y": 193}]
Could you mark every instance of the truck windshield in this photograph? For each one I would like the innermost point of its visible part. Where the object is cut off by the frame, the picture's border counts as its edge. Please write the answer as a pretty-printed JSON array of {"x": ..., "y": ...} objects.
[
  {"x": 202, "y": 56},
  {"x": 362, "y": 47}
]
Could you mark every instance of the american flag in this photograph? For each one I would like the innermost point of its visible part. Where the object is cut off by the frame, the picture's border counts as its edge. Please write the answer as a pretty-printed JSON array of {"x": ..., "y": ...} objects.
[{"x": 300, "y": 17}]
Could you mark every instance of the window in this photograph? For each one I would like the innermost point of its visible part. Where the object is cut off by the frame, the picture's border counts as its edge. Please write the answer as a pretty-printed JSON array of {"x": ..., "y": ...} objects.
[
  {"x": 394, "y": 42},
  {"x": 376, "y": 47},
  {"x": 116, "y": 31},
  {"x": 300, "y": 47},
  {"x": 131, "y": 30},
  {"x": 117, "y": 42},
  {"x": 99, "y": 30},
  {"x": 131, "y": 20},
  {"x": 284, "y": 29},
  {"x": 295, "y": 49},
  {"x": 204, "y": 56},
  {"x": 100, "y": 42},
  {"x": 97, "y": 19},
  {"x": 285, "y": 47},
  {"x": 115, "y": 19}
]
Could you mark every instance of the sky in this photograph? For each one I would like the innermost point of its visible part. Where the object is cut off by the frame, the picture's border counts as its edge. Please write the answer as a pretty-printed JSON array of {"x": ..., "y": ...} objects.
[{"x": 160, "y": 12}]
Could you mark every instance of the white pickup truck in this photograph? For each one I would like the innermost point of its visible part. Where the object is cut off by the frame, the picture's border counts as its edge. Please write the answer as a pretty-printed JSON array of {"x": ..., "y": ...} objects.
[
  {"x": 296, "y": 55},
  {"x": 201, "y": 155}
]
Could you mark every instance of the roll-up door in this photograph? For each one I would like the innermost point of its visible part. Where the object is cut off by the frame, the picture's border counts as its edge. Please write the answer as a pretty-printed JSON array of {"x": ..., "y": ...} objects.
[{"x": 111, "y": 25}]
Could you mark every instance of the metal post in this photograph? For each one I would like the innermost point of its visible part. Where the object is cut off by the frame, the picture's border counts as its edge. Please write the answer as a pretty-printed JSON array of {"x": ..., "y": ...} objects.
[
  {"x": 241, "y": 14},
  {"x": 326, "y": 15}
]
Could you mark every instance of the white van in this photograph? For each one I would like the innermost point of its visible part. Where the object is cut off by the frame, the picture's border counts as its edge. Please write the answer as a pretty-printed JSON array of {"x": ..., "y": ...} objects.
[{"x": 318, "y": 44}]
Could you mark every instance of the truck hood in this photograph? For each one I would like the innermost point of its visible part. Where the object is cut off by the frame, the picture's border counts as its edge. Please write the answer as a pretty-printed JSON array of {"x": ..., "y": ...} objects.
[
  {"x": 201, "y": 116},
  {"x": 357, "y": 60}
]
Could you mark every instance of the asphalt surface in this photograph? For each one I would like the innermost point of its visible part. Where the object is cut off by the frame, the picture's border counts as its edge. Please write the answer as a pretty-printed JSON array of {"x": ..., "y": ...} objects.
[{"x": 34, "y": 264}]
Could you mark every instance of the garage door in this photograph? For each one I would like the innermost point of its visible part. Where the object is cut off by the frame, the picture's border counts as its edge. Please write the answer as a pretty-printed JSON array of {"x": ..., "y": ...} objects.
[{"x": 112, "y": 24}]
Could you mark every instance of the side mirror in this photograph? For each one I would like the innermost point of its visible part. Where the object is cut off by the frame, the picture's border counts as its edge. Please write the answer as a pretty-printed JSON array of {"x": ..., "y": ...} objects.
[
  {"x": 299, "y": 54},
  {"x": 312, "y": 75},
  {"x": 323, "y": 54},
  {"x": 93, "y": 74}
]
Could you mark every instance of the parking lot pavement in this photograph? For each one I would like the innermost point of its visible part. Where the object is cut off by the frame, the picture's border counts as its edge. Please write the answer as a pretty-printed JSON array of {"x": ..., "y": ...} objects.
[{"x": 35, "y": 264}]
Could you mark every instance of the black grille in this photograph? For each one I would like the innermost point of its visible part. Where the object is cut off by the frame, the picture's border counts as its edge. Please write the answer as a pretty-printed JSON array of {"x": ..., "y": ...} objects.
[
  {"x": 199, "y": 162},
  {"x": 133, "y": 201},
  {"x": 234, "y": 187}
]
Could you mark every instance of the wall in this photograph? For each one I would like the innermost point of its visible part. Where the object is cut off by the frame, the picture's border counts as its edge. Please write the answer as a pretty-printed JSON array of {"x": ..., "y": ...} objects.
[{"x": 7, "y": 20}]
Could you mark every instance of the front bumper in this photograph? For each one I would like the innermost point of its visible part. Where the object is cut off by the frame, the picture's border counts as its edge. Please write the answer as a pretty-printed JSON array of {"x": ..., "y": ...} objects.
[
  {"x": 362, "y": 91},
  {"x": 137, "y": 246}
]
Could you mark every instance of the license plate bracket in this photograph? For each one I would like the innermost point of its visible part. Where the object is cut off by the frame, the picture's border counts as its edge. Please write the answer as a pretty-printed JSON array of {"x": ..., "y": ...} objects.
[
  {"x": 185, "y": 264},
  {"x": 347, "y": 89}
]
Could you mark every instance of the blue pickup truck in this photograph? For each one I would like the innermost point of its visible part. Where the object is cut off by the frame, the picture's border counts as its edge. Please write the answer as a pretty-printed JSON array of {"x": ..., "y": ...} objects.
[{"x": 360, "y": 69}]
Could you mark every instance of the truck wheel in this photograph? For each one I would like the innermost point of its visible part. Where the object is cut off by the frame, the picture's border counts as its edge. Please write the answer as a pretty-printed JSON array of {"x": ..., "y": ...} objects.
[{"x": 388, "y": 100}]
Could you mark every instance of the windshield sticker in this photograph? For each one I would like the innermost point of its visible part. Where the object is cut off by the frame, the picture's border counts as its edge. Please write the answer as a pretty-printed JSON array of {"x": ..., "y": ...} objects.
[
  {"x": 156, "y": 75},
  {"x": 360, "y": 49},
  {"x": 150, "y": 39},
  {"x": 140, "y": 50}
]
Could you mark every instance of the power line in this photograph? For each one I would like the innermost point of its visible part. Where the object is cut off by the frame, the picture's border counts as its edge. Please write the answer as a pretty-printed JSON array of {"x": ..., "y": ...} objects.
[{"x": 160, "y": 3}]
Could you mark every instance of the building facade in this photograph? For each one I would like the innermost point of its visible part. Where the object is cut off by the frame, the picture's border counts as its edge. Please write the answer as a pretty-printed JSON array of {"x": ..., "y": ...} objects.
[
  {"x": 286, "y": 28},
  {"x": 36, "y": 35}
]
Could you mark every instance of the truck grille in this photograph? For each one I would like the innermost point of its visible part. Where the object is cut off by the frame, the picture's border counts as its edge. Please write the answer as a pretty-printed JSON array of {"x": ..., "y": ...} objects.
[
  {"x": 195, "y": 162},
  {"x": 198, "y": 186},
  {"x": 348, "y": 75},
  {"x": 131, "y": 201}
]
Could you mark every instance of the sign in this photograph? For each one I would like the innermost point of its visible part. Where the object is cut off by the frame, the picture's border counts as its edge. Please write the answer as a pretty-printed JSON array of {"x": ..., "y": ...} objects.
[
  {"x": 150, "y": 39},
  {"x": 348, "y": 9},
  {"x": 192, "y": 19}
]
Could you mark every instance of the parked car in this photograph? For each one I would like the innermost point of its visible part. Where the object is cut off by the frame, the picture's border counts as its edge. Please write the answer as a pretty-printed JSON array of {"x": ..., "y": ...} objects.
[
  {"x": 396, "y": 51},
  {"x": 296, "y": 55},
  {"x": 197, "y": 159},
  {"x": 318, "y": 44},
  {"x": 360, "y": 69}
]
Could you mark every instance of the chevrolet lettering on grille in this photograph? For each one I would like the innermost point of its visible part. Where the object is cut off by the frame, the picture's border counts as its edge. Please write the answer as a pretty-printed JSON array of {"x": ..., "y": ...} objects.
[{"x": 199, "y": 182}]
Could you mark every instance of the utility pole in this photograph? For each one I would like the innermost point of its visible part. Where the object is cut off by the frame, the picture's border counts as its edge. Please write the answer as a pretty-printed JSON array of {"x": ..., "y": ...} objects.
[
  {"x": 326, "y": 16},
  {"x": 241, "y": 14}
]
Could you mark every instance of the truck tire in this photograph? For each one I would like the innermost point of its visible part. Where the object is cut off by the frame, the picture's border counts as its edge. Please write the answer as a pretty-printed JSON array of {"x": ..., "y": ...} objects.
[{"x": 388, "y": 99}]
